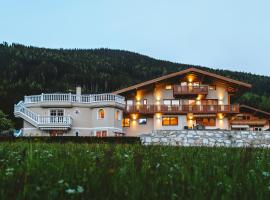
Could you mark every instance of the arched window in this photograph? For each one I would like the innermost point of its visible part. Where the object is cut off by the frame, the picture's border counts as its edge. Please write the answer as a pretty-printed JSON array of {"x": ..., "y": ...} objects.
[
  {"x": 101, "y": 114},
  {"x": 117, "y": 115}
]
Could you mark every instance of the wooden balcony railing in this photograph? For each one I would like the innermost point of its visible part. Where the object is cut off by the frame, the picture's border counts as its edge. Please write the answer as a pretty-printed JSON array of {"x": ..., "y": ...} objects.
[
  {"x": 190, "y": 90},
  {"x": 251, "y": 122},
  {"x": 181, "y": 109}
]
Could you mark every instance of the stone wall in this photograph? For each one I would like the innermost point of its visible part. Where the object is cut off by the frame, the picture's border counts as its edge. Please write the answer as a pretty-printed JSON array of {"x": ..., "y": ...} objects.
[{"x": 207, "y": 138}]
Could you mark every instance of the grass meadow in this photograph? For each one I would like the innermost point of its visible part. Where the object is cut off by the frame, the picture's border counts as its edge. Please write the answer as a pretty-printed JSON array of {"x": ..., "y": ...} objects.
[{"x": 36, "y": 170}]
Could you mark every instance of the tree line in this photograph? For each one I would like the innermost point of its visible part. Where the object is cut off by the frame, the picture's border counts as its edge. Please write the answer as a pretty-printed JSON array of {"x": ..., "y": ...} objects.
[{"x": 26, "y": 70}]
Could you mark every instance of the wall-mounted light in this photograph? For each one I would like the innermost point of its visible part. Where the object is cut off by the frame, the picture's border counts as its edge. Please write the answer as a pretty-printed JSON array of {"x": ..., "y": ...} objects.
[
  {"x": 158, "y": 115},
  {"x": 190, "y": 78},
  {"x": 220, "y": 116},
  {"x": 190, "y": 116},
  {"x": 134, "y": 117}
]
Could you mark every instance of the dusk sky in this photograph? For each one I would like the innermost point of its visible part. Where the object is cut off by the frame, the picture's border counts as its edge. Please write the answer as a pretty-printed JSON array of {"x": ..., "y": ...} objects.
[{"x": 229, "y": 34}]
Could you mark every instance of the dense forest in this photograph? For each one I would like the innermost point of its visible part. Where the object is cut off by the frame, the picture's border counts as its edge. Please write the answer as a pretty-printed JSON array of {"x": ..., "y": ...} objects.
[{"x": 30, "y": 70}]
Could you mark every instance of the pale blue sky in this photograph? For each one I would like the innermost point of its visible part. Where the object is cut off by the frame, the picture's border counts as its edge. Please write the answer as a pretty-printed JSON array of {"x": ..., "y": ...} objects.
[{"x": 227, "y": 34}]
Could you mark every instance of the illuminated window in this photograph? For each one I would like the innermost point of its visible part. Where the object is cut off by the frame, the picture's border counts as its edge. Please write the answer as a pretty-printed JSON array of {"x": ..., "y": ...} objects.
[
  {"x": 184, "y": 84},
  {"x": 101, "y": 114},
  {"x": 212, "y": 87},
  {"x": 142, "y": 121},
  {"x": 167, "y": 102},
  {"x": 129, "y": 102},
  {"x": 117, "y": 115},
  {"x": 126, "y": 122},
  {"x": 168, "y": 87},
  {"x": 175, "y": 102},
  {"x": 145, "y": 102},
  {"x": 207, "y": 121},
  {"x": 169, "y": 121}
]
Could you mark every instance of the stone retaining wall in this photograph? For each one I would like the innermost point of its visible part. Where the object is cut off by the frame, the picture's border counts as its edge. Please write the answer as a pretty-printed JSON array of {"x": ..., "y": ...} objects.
[{"x": 207, "y": 138}]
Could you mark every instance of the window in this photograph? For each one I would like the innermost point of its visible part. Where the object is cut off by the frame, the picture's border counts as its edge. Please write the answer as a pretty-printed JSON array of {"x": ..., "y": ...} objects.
[
  {"x": 129, "y": 102},
  {"x": 117, "y": 115},
  {"x": 169, "y": 121},
  {"x": 167, "y": 102},
  {"x": 101, "y": 133},
  {"x": 101, "y": 114},
  {"x": 175, "y": 102},
  {"x": 212, "y": 87},
  {"x": 196, "y": 84},
  {"x": 171, "y": 102},
  {"x": 207, "y": 121},
  {"x": 168, "y": 87},
  {"x": 184, "y": 84},
  {"x": 56, "y": 115},
  {"x": 142, "y": 121},
  {"x": 145, "y": 102},
  {"x": 57, "y": 112},
  {"x": 191, "y": 102},
  {"x": 126, "y": 122}
]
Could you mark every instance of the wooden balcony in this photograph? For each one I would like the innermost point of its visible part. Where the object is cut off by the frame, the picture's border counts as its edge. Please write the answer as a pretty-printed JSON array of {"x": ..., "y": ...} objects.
[
  {"x": 181, "y": 109},
  {"x": 251, "y": 122},
  {"x": 179, "y": 90}
]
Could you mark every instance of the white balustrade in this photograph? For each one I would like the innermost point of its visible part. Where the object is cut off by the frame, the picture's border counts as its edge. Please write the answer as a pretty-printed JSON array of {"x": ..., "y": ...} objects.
[
  {"x": 72, "y": 98},
  {"x": 27, "y": 114}
]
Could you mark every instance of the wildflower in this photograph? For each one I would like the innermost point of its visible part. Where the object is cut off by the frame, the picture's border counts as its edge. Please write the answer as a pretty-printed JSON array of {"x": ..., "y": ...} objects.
[
  {"x": 70, "y": 191},
  {"x": 61, "y": 181},
  {"x": 9, "y": 171},
  {"x": 266, "y": 173},
  {"x": 80, "y": 189}
]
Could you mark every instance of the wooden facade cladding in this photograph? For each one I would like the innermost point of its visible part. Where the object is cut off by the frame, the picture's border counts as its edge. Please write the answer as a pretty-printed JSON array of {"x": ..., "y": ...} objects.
[
  {"x": 190, "y": 90},
  {"x": 181, "y": 109}
]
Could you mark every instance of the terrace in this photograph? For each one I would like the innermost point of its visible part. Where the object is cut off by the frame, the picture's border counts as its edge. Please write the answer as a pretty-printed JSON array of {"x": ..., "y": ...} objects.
[{"x": 68, "y": 98}]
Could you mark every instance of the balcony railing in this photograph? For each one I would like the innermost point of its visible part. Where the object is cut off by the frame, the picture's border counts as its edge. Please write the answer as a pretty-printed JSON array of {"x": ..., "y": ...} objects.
[
  {"x": 73, "y": 98},
  {"x": 252, "y": 122},
  {"x": 181, "y": 109},
  {"x": 190, "y": 90},
  {"x": 41, "y": 121}
]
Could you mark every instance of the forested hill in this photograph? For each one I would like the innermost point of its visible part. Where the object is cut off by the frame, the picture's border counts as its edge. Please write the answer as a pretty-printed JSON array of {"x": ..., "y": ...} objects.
[{"x": 30, "y": 70}]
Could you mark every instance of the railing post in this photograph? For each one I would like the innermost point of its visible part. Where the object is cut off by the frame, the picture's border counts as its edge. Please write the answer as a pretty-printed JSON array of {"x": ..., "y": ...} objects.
[{"x": 41, "y": 99}]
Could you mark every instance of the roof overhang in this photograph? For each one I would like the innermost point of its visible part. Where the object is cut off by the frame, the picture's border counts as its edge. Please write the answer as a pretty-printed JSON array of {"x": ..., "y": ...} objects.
[
  {"x": 195, "y": 71},
  {"x": 255, "y": 111}
]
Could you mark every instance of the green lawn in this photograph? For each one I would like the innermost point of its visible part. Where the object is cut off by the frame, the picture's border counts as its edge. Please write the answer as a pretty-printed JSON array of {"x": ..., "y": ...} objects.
[{"x": 101, "y": 171}]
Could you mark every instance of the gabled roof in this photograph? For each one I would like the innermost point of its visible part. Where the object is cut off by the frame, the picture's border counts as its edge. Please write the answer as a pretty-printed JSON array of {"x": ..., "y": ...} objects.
[
  {"x": 189, "y": 70},
  {"x": 256, "y": 110}
]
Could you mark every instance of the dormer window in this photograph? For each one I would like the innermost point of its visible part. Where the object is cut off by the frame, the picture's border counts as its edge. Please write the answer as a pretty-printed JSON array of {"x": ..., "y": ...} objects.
[{"x": 101, "y": 114}]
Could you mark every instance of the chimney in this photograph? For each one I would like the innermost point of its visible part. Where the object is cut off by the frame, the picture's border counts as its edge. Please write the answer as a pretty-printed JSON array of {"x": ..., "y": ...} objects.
[{"x": 78, "y": 90}]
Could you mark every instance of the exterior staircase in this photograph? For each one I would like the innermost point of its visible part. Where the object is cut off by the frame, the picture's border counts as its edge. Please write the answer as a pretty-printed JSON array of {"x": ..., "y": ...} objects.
[{"x": 41, "y": 122}]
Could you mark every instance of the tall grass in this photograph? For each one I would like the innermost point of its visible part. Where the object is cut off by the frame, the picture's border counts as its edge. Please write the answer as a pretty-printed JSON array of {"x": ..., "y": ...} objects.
[{"x": 104, "y": 171}]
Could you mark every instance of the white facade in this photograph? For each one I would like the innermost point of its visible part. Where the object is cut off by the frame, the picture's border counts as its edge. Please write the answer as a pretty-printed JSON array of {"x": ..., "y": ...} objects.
[{"x": 71, "y": 114}]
